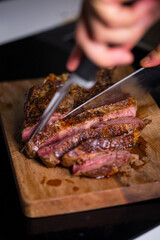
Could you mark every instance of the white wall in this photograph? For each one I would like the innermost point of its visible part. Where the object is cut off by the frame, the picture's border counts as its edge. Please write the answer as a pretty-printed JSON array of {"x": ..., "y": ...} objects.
[{"x": 21, "y": 18}]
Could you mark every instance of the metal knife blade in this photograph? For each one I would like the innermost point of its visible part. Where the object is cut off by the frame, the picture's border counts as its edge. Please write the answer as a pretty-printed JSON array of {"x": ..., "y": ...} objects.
[{"x": 136, "y": 85}]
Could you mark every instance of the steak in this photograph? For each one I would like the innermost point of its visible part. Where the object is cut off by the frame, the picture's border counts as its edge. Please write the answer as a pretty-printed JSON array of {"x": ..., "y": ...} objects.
[
  {"x": 104, "y": 164},
  {"x": 69, "y": 126},
  {"x": 110, "y": 128},
  {"x": 38, "y": 97},
  {"x": 95, "y": 143},
  {"x": 86, "y": 149}
]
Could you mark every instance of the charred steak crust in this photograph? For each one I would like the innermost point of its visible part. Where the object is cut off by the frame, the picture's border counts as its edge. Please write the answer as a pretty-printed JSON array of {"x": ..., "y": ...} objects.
[
  {"x": 39, "y": 96},
  {"x": 37, "y": 100}
]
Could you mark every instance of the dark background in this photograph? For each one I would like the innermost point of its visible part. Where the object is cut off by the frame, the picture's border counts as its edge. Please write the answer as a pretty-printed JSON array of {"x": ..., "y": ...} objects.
[{"x": 36, "y": 57}]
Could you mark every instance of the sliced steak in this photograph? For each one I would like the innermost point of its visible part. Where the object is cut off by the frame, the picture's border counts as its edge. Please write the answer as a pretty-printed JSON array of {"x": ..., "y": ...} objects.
[
  {"x": 83, "y": 151},
  {"x": 104, "y": 164},
  {"x": 66, "y": 127},
  {"x": 96, "y": 143},
  {"x": 110, "y": 128}
]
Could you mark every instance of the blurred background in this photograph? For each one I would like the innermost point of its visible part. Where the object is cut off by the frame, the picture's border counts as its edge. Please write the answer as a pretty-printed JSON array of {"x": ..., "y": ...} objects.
[{"x": 36, "y": 37}]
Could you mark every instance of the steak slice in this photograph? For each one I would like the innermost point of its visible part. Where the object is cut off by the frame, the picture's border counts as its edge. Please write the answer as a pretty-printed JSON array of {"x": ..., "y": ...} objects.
[
  {"x": 87, "y": 148},
  {"x": 110, "y": 128},
  {"x": 66, "y": 127},
  {"x": 104, "y": 164}
]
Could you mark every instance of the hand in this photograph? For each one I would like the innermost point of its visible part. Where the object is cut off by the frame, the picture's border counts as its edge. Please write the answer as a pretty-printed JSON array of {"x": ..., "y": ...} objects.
[
  {"x": 109, "y": 22},
  {"x": 152, "y": 59}
]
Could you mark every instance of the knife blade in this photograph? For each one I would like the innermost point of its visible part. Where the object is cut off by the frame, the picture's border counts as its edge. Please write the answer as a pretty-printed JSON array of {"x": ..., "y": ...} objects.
[{"x": 136, "y": 85}]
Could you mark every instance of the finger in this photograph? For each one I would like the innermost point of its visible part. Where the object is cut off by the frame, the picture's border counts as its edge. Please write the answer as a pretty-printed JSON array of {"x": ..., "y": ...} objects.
[
  {"x": 100, "y": 53},
  {"x": 152, "y": 59},
  {"x": 120, "y": 1},
  {"x": 130, "y": 35},
  {"x": 74, "y": 59},
  {"x": 117, "y": 15}
]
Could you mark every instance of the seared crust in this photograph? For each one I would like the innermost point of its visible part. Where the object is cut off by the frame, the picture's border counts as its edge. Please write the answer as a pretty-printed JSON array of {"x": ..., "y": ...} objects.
[
  {"x": 39, "y": 96},
  {"x": 97, "y": 112}
]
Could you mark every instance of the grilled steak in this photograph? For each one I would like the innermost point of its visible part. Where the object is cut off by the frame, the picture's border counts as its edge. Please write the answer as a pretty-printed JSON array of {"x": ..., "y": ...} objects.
[
  {"x": 66, "y": 127},
  {"x": 116, "y": 127},
  {"x": 87, "y": 148},
  {"x": 96, "y": 143},
  {"x": 104, "y": 164},
  {"x": 39, "y": 96}
]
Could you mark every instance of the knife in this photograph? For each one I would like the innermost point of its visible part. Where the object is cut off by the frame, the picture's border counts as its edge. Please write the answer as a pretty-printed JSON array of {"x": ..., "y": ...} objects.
[
  {"x": 84, "y": 76},
  {"x": 136, "y": 85}
]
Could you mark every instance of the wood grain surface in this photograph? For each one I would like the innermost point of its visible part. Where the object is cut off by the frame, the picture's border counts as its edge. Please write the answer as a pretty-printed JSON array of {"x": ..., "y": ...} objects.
[{"x": 45, "y": 192}]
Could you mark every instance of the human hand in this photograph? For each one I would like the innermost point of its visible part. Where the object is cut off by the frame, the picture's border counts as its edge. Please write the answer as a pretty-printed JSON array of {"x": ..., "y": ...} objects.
[
  {"x": 108, "y": 22},
  {"x": 152, "y": 59}
]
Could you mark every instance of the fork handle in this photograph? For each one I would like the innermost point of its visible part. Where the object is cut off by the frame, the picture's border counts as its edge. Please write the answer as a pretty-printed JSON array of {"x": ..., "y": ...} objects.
[{"x": 87, "y": 70}]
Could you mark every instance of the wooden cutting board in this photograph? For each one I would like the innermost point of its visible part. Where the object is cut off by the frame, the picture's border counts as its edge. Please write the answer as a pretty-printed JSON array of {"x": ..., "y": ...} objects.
[{"x": 45, "y": 191}]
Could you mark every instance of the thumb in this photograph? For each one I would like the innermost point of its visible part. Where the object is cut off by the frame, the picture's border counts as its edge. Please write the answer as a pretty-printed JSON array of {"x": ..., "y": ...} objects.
[{"x": 152, "y": 59}]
